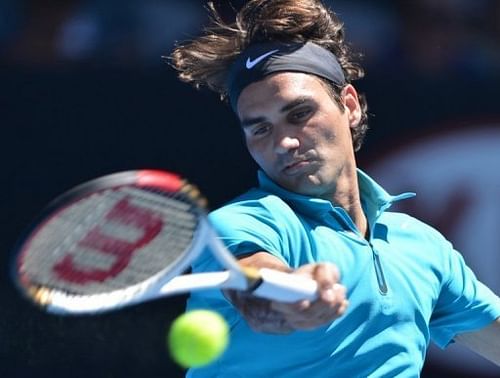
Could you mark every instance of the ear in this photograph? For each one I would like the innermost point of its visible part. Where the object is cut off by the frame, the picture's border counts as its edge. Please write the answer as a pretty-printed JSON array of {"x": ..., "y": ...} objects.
[{"x": 351, "y": 105}]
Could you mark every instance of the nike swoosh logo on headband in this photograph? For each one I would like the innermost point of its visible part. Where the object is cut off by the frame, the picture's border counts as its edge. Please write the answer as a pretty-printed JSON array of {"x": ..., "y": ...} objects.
[{"x": 251, "y": 63}]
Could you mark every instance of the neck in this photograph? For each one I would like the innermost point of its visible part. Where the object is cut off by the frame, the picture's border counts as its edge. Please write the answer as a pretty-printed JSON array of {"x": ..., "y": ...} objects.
[{"x": 347, "y": 196}]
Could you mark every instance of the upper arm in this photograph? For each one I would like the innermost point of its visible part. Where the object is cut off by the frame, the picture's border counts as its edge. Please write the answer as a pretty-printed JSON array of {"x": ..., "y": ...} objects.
[
  {"x": 249, "y": 226},
  {"x": 485, "y": 341}
]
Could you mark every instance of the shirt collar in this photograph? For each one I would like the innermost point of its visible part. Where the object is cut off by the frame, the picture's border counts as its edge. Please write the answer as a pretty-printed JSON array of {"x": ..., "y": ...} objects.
[{"x": 375, "y": 199}]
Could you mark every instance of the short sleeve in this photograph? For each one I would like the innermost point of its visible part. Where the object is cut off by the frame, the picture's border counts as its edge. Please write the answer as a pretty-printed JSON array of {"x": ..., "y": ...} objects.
[{"x": 464, "y": 303}]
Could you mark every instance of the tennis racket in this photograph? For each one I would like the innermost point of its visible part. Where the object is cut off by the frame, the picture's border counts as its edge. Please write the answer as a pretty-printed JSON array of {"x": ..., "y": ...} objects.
[{"x": 127, "y": 238}]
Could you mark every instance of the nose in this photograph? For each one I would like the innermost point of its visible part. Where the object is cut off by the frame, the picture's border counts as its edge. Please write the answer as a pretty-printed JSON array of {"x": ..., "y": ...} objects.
[{"x": 286, "y": 143}]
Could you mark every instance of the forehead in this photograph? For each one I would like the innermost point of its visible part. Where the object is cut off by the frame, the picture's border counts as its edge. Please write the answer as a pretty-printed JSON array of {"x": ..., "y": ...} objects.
[{"x": 277, "y": 89}]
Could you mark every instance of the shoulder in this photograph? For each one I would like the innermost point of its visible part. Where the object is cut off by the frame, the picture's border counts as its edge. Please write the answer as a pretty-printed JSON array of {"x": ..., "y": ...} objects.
[
  {"x": 421, "y": 240},
  {"x": 256, "y": 221},
  {"x": 413, "y": 228},
  {"x": 255, "y": 205}
]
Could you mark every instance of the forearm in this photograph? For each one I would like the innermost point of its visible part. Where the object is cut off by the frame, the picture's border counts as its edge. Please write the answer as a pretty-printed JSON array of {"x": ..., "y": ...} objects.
[
  {"x": 485, "y": 341},
  {"x": 258, "y": 312}
]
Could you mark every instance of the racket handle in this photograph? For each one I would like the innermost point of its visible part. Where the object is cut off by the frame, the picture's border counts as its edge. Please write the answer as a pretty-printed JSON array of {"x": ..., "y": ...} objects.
[{"x": 285, "y": 287}]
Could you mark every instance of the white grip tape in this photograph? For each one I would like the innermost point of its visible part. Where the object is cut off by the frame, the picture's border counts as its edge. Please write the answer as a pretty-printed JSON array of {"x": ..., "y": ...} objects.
[{"x": 285, "y": 287}]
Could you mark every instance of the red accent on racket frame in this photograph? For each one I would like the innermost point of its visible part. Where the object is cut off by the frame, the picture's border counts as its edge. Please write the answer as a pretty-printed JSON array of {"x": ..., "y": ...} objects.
[{"x": 159, "y": 179}]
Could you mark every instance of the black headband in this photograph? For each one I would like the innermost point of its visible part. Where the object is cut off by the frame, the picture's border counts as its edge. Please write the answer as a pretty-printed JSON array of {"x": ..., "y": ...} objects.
[{"x": 262, "y": 59}]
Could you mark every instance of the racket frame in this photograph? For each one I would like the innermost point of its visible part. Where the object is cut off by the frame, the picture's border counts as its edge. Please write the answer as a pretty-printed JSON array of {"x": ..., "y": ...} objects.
[
  {"x": 57, "y": 301},
  {"x": 265, "y": 283}
]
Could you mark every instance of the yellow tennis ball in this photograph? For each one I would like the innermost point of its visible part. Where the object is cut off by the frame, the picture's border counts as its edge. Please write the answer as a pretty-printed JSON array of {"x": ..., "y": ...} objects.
[{"x": 197, "y": 338}]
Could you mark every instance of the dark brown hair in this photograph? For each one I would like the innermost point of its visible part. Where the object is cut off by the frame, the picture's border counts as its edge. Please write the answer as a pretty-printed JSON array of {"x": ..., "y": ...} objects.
[{"x": 207, "y": 59}]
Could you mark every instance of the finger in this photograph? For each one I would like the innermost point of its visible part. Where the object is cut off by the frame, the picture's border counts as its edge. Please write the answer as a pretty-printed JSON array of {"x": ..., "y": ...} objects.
[
  {"x": 329, "y": 307},
  {"x": 329, "y": 300},
  {"x": 306, "y": 315},
  {"x": 326, "y": 275},
  {"x": 291, "y": 308},
  {"x": 319, "y": 319},
  {"x": 343, "y": 307}
]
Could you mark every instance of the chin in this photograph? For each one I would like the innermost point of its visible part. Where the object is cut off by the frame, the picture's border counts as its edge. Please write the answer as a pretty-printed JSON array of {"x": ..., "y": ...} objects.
[{"x": 307, "y": 186}]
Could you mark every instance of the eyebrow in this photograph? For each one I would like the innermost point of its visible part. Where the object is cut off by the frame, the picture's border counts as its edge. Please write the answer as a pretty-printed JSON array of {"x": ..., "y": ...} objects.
[{"x": 289, "y": 106}]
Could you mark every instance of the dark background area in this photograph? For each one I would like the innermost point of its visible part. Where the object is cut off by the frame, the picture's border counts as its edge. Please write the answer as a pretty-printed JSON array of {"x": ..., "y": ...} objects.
[{"x": 84, "y": 92}]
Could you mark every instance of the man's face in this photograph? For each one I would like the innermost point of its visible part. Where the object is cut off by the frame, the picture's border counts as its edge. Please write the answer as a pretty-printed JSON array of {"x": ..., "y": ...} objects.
[{"x": 297, "y": 133}]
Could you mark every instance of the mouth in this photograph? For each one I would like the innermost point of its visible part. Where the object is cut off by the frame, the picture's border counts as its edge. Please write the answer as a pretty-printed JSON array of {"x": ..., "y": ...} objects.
[{"x": 296, "y": 167}]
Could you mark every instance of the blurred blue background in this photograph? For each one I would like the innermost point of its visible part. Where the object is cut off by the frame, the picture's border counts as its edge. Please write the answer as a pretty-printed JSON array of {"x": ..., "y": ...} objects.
[{"x": 84, "y": 91}]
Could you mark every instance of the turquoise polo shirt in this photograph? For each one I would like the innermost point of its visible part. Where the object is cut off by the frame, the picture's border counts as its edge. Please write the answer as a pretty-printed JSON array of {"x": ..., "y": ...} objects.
[{"x": 406, "y": 285}]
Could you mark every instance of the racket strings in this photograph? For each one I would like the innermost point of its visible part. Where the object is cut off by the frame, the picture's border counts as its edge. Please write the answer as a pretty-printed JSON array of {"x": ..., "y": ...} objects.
[{"x": 110, "y": 241}]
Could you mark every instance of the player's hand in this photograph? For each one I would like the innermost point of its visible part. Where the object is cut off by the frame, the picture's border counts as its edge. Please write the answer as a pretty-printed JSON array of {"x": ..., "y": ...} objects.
[
  {"x": 331, "y": 302},
  {"x": 278, "y": 317}
]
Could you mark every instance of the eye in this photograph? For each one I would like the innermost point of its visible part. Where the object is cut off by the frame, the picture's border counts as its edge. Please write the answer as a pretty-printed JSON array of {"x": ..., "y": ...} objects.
[
  {"x": 260, "y": 129},
  {"x": 300, "y": 115}
]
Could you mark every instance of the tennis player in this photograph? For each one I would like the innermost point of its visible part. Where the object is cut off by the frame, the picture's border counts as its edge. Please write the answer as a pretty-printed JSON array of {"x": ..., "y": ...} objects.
[{"x": 389, "y": 284}]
